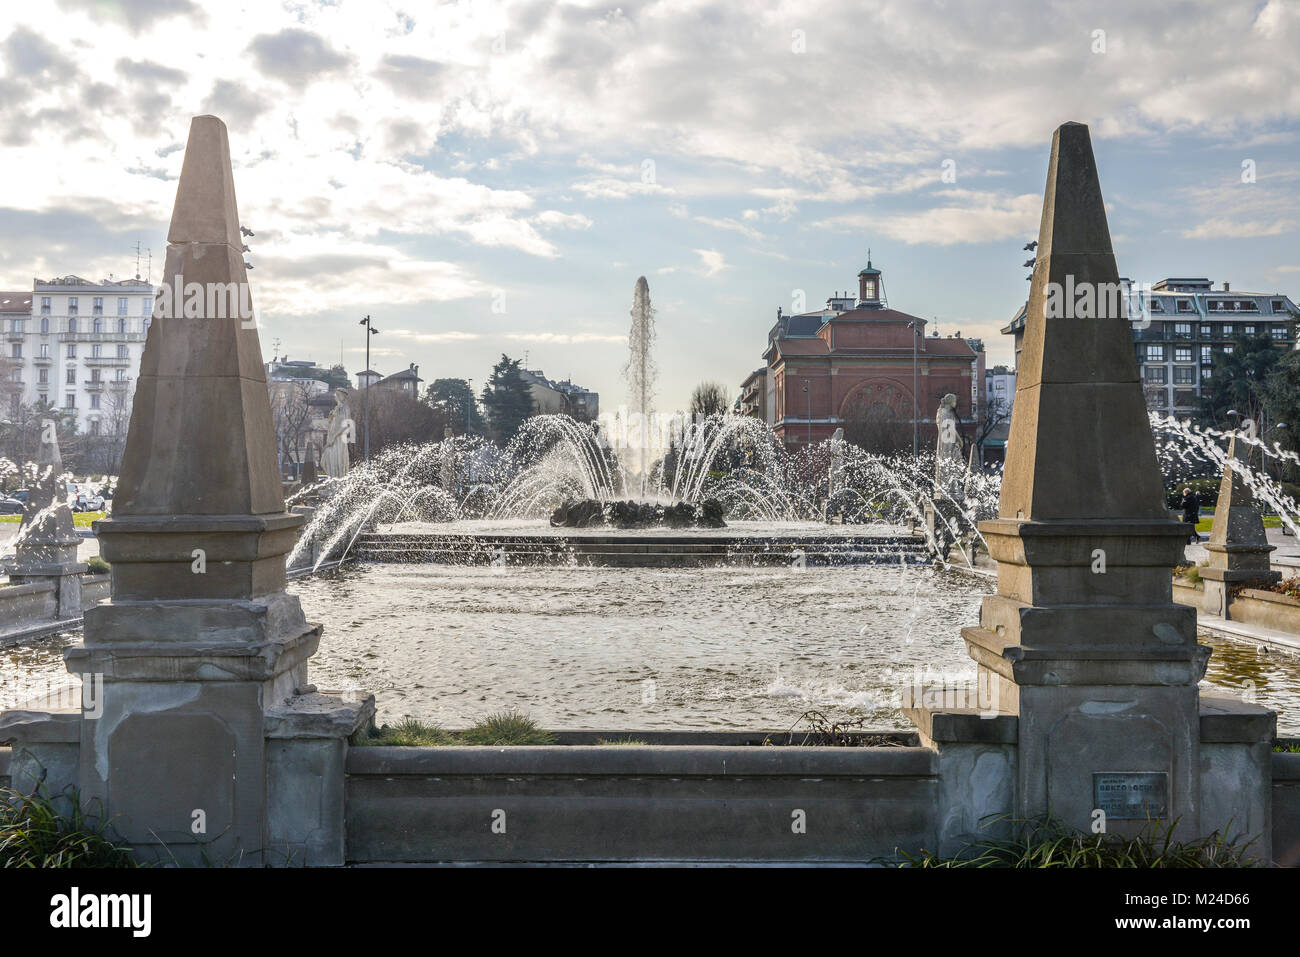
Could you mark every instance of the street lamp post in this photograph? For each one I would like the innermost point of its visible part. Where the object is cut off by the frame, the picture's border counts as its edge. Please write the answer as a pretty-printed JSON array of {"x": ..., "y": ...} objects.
[
  {"x": 808, "y": 418},
  {"x": 469, "y": 404},
  {"x": 370, "y": 331},
  {"x": 916, "y": 411}
]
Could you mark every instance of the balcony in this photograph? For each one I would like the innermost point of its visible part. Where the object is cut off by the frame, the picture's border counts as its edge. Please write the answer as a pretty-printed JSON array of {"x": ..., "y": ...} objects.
[
  {"x": 101, "y": 337},
  {"x": 107, "y": 361},
  {"x": 93, "y": 385},
  {"x": 42, "y": 360}
]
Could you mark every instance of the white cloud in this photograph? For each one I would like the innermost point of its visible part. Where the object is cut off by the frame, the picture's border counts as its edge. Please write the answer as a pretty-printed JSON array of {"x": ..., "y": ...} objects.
[
  {"x": 712, "y": 262},
  {"x": 731, "y": 224},
  {"x": 609, "y": 187},
  {"x": 562, "y": 338},
  {"x": 1224, "y": 228},
  {"x": 975, "y": 217},
  {"x": 1232, "y": 209},
  {"x": 557, "y": 220}
]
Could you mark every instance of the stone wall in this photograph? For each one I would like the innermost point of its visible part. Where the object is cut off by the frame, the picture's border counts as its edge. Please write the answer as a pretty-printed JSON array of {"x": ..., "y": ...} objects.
[
  {"x": 1266, "y": 609},
  {"x": 33, "y": 604},
  {"x": 617, "y": 803},
  {"x": 94, "y": 589},
  {"x": 1251, "y": 606},
  {"x": 1286, "y": 809},
  {"x": 23, "y": 605}
]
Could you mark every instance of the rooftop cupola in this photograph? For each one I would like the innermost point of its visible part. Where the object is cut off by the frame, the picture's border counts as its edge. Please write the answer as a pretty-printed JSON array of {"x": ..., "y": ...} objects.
[{"x": 871, "y": 293}]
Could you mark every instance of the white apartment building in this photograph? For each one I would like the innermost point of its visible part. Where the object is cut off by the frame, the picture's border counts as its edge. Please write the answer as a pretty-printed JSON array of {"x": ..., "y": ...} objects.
[
  {"x": 1180, "y": 324},
  {"x": 80, "y": 348}
]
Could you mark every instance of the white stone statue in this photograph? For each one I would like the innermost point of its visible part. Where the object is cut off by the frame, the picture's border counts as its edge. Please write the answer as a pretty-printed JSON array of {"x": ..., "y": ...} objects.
[
  {"x": 334, "y": 457},
  {"x": 949, "y": 469},
  {"x": 837, "y": 460}
]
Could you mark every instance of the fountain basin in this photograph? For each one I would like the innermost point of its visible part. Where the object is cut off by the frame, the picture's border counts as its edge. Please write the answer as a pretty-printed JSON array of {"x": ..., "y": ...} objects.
[{"x": 791, "y": 545}]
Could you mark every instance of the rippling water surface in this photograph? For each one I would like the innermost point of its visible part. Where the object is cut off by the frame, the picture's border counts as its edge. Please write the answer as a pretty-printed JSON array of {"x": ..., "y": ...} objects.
[
  {"x": 620, "y": 648},
  {"x": 577, "y": 647}
]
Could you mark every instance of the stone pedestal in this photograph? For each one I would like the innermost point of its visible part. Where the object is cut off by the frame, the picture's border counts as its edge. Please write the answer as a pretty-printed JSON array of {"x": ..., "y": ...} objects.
[
  {"x": 1100, "y": 665},
  {"x": 1238, "y": 545},
  {"x": 206, "y": 742},
  {"x": 1083, "y": 643}
]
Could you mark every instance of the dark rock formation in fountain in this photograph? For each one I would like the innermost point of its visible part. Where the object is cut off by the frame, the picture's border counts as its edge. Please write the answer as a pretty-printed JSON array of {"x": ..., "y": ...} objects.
[{"x": 590, "y": 513}]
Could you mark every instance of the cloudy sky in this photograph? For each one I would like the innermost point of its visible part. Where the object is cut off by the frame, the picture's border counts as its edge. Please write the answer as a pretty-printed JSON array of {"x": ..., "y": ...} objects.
[{"x": 488, "y": 177}]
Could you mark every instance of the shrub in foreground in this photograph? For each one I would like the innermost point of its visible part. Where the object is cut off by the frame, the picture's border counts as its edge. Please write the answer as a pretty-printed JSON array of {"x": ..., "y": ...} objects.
[
  {"x": 34, "y": 832},
  {"x": 1041, "y": 844}
]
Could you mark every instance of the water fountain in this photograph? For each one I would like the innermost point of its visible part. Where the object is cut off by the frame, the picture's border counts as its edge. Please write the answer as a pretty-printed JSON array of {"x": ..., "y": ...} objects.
[{"x": 640, "y": 370}]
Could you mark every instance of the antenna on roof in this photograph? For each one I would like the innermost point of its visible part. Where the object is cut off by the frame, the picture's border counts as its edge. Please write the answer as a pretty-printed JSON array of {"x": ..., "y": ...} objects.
[{"x": 148, "y": 253}]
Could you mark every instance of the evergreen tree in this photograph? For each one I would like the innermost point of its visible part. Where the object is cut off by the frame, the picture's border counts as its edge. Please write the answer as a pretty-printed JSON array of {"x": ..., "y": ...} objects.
[
  {"x": 336, "y": 377},
  {"x": 507, "y": 399},
  {"x": 1239, "y": 382},
  {"x": 456, "y": 399}
]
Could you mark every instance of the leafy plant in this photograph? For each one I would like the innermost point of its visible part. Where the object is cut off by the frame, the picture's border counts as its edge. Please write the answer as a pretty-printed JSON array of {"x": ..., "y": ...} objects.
[
  {"x": 34, "y": 832},
  {"x": 1049, "y": 843},
  {"x": 1288, "y": 586},
  {"x": 98, "y": 566}
]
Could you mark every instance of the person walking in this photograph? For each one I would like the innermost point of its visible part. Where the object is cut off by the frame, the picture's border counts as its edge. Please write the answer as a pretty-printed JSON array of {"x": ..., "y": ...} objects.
[{"x": 1191, "y": 504}]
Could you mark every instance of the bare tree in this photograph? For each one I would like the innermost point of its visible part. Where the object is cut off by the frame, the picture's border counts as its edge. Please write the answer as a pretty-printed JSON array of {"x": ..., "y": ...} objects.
[
  {"x": 997, "y": 413},
  {"x": 709, "y": 398},
  {"x": 292, "y": 414},
  {"x": 397, "y": 417}
]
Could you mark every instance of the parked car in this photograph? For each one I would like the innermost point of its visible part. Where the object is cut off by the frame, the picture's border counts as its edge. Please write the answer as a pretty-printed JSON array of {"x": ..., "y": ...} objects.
[
  {"x": 87, "y": 502},
  {"x": 11, "y": 506}
]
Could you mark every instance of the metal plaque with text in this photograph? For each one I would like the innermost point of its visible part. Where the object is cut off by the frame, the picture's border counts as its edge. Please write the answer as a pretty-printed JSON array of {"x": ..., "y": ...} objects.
[{"x": 1131, "y": 795}]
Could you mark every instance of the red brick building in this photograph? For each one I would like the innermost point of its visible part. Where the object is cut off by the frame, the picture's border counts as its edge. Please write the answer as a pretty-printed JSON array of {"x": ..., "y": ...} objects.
[{"x": 853, "y": 365}]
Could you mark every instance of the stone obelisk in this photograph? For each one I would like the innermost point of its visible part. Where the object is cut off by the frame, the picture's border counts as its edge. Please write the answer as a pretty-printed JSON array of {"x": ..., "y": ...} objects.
[
  {"x": 203, "y": 654},
  {"x": 1238, "y": 545},
  {"x": 1083, "y": 643}
]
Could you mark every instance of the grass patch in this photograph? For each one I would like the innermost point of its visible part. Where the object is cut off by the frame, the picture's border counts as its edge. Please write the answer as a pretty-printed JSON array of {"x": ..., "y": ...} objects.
[
  {"x": 405, "y": 734},
  {"x": 611, "y": 742},
  {"x": 97, "y": 566},
  {"x": 503, "y": 729},
  {"x": 1286, "y": 747},
  {"x": 506, "y": 728},
  {"x": 34, "y": 833},
  {"x": 79, "y": 519},
  {"x": 1051, "y": 844},
  {"x": 1207, "y": 524}
]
